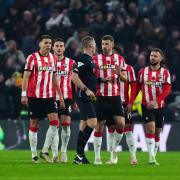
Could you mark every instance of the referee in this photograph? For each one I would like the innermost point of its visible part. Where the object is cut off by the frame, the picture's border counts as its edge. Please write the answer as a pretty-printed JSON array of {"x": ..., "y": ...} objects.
[{"x": 84, "y": 77}]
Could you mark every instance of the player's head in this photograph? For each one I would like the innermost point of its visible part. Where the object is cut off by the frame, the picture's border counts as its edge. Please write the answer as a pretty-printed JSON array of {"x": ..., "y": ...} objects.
[
  {"x": 89, "y": 44},
  {"x": 156, "y": 56},
  {"x": 107, "y": 44},
  {"x": 58, "y": 47},
  {"x": 45, "y": 43}
]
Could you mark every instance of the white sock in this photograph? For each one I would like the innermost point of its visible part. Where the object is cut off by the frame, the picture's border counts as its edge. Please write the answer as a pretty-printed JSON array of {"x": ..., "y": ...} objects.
[
  {"x": 65, "y": 136},
  {"x": 33, "y": 142},
  {"x": 111, "y": 141},
  {"x": 118, "y": 138},
  {"x": 130, "y": 143},
  {"x": 150, "y": 145},
  {"x": 51, "y": 132},
  {"x": 157, "y": 143},
  {"x": 55, "y": 144},
  {"x": 97, "y": 145}
]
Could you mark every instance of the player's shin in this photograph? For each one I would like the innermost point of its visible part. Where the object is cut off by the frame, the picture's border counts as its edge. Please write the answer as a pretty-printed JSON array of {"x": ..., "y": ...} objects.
[{"x": 33, "y": 140}]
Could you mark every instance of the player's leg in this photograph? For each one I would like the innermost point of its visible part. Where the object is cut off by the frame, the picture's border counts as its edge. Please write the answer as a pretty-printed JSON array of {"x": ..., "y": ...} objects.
[
  {"x": 51, "y": 110},
  {"x": 159, "y": 125},
  {"x": 149, "y": 118},
  {"x": 65, "y": 136},
  {"x": 34, "y": 109},
  {"x": 130, "y": 142},
  {"x": 33, "y": 130},
  {"x": 97, "y": 141},
  {"x": 128, "y": 131}
]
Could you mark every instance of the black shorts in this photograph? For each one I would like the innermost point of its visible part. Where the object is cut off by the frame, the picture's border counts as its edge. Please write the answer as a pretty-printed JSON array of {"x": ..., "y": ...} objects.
[
  {"x": 156, "y": 115},
  {"x": 40, "y": 107},
  {"x": 107, "y": 107},
  {"x": 111, "y": 122},
  {"x": 87, "y": 108},
  {"x": 67, "y": 110}
]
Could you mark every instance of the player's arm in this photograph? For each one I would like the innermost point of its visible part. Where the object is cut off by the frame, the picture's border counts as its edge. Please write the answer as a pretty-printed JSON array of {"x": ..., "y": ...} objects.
[
  {"x": 55, "y": 82},
  {"x": 77, "y": 81},
  {"x": 25, "y": 80}
]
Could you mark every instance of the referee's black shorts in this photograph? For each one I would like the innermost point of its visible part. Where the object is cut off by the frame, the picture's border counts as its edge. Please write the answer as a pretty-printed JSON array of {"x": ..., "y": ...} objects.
[
  {"x": 108, "y": 106},
  {"x": 87, "y": 107},
  {"x": 40, "y": 107}
]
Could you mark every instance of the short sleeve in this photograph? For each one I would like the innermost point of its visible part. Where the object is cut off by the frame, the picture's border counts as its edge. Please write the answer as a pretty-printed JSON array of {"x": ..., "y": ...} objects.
[
  {"x": 29, "y": 63},
  {"x": 79, "y": 67},
  {"x": 167, "y": 77}
]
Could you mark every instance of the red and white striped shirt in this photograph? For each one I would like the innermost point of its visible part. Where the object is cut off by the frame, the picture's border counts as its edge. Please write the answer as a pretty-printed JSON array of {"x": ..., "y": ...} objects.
[
  {"x": 124, "y": 86},
  {"x": 64, "y": 70},
  {"x": 40, "y": 81},
  {"x": 106, "y": 66},
  {"x": 151, "y": 83}
]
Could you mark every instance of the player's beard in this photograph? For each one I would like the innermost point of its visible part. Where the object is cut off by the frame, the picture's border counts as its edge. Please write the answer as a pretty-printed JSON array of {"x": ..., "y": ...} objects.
[
  {"x": 154, "y": 64},
  {"x": 105, "y": 51}
]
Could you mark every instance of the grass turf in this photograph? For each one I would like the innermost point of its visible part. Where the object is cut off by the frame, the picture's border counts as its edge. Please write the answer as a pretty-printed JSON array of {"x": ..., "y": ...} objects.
[{"x": 17, "y": 165}]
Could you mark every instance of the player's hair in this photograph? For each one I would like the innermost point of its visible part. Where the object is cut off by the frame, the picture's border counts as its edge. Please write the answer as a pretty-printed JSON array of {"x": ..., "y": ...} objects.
[
  {"x": 108, "y": 37},
  {"x": 45, "y": 37},
  {"x": 58, "y": 39},
  {"x": 86, "y": 41},
  {"x": 160, "y": 51}
]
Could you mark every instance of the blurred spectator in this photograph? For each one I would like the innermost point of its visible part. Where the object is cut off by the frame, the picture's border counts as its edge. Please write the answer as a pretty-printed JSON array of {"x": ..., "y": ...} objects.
[{"x": 3, "y": 43}]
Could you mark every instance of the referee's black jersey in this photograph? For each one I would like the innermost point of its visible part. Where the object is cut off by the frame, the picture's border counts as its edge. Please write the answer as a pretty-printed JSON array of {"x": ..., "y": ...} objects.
[{"x": 86, "y": 69}]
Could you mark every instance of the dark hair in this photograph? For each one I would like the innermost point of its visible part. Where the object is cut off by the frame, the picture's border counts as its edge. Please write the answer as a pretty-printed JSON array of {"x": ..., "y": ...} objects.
[
  {"x": 86, "y": 41},
  {"x": 108, "y": 37},
  {"x": 160, "y": 51},
  {"x": 58, "y": 39},
  {"x": 45, "y": 37}
]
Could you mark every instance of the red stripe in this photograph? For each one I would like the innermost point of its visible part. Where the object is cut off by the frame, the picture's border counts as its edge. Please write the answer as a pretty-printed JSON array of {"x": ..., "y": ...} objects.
[
  {"x": 105, "y": 76},
  {"x": 157, "y": 138},
  {"x": 150, "y": 136},
  {"x": 97, "y": 134},
  {"x": 54, "y": 123},
  {"x": 119, "y": 131},
  {"x": 33, "y": 129},
  {"x": 150, "y": 87},
  {"x": 128, "y": 129},
  {"x": 111, "y": 130},
  {"x": 113, "y": 76},
  {"x": 64, "y": 123}
]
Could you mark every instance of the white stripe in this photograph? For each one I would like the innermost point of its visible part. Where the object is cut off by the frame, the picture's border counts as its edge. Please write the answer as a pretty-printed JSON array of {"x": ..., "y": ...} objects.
[
  {"x": 153, "y": 86},
  {"x": 122, "y": 91},
  {"x": 109, "y": 74},
  {"x": 51, "y": 75},
  {"x": 146, "y": 74},
  {"x": 45, "y": 80},
  {"x": 161, "y": 74},
  {"x": 100, "y": 62},
  {"x": 39, "y": 76},
  {"x": 116, "y": 76},
  {"x": 67, "y": 61}
]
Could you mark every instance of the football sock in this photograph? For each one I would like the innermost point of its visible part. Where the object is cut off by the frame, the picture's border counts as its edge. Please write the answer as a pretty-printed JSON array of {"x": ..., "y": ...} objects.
[
  {"x": 55, "y": 144},
  {"x": 150, "y": 144},
  {"x": 65, "y": 136},
  {"x": 97, "y": 144},
  {"x": 111, "y": 139},
  {"x": 33, "y": 140},
  {"x": 157, "y": 143}
]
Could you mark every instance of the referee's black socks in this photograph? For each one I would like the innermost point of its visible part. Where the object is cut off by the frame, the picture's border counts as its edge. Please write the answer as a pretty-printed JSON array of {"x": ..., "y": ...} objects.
[{"x": 83, "y": 137}]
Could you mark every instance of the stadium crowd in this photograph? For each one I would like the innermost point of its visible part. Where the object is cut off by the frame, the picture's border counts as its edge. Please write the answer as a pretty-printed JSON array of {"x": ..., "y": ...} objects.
[{"x": 136, "y": 25}]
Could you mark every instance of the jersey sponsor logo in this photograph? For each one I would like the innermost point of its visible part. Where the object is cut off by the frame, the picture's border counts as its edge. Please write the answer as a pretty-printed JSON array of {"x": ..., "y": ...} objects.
[
  {"x": 46, "y": 68},
  {"x": 107, "y": 66},
  {"x": 154, "y": 83},
  {"x": 62, "y": 73}
]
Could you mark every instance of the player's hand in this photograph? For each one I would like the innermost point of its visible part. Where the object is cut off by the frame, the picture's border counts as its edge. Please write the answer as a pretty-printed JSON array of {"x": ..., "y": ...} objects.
[
  {"x": 24, "y": 100},
  {"x": 152, "y": 104},
  {"x": 117, "y": 70},
  {"x": 90, "y": 93},
  {"x": 129, "y": 108},
  {"x": 62, "y": 104}
]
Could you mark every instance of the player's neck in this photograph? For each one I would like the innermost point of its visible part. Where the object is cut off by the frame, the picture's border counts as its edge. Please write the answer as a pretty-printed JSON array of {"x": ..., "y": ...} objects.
[
  {"x": 43, "y": 53},
  {"x": 108, "y": 53},
  {"x": 90, "y": 53},
  {"x": 60, "y": 57},
  {"x": 154, "y": 68}
]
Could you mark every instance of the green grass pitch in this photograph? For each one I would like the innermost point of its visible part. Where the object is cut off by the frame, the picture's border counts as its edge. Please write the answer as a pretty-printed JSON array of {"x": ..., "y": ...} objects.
[{"x": 16, "y": 165}]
